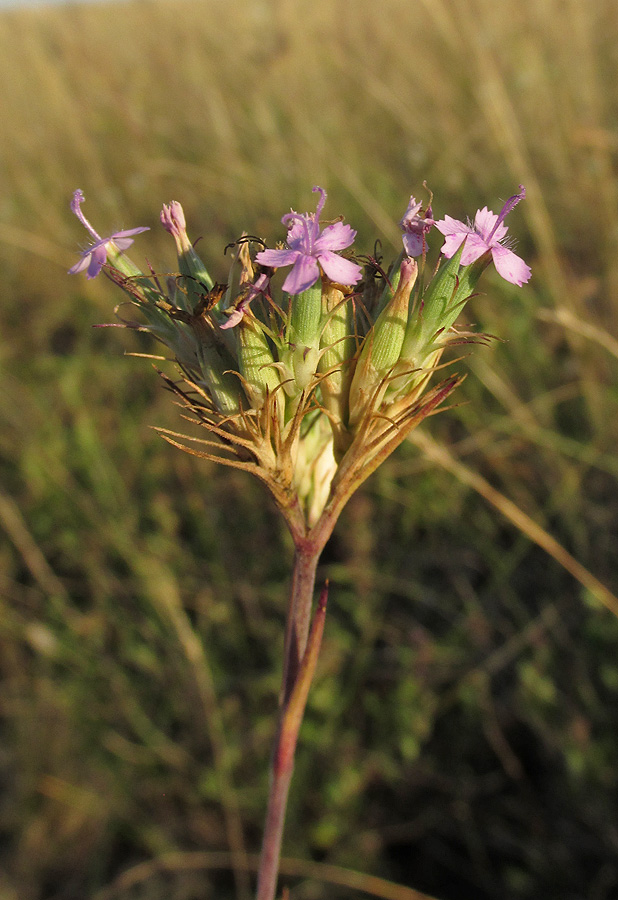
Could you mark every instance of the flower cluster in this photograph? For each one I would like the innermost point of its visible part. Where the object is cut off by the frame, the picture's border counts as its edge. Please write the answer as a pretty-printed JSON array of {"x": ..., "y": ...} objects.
[{"x": 312, "y": 385}]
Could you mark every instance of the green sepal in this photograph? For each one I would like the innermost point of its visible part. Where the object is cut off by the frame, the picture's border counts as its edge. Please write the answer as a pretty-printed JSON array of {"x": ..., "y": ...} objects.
[
  {"x": 385, "y": 344},
  {"x": 224, "y": 387},
  {"x": 381, "y": 348},
  {"x": 136, "y": 277},
  {"x": 256, "y": 361},
  {"x": 391, "y": 284},
  {"x": 441, "y": 303},
  {"x": 337, "y": 350},
  {"x": 197, "y": 279},
  {"x": 303, "y": 339},
  {"x": 306, "y": 317}
]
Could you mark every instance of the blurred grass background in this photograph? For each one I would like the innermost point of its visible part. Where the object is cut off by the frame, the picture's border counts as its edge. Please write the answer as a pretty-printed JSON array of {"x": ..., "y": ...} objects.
[{"x": 461, "y": 738}]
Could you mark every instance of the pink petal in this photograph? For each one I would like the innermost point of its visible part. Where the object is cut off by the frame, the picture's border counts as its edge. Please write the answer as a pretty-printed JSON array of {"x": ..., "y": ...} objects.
[
  {"x": 277, "y": 258},
  {"x": 130, "y": 233},
  {"x": 410, "y": 213},
  {"x": 299, "y": 232},
  {"x": 449, "y": 226},
  {"x": 413, "y": 244},
  {"x": 122, "y": 243},
  {"x": 451, "y": 245},
  {"x": 82, "y": 263},
  {"x": 334, "y": 237},
  {"x": 98, "y": 258},
  {"x": 124, "y": 239},
  {"x": 260, "y": 287},
  {"x": 510, "y": 266},
  {"x": 474, "y": 247},
  {"x": 173, "y": 218},
  {"x": 338, "y": 269},
  {"x": 484, "y": 223},
  {"x": 236, "y": 316},
  {"x": 303, "y": 274}
]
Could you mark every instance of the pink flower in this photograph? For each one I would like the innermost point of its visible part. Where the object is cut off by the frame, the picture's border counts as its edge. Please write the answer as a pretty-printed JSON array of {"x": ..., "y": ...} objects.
[
  {"x": 415, "y": 227},
  {"x": 308, "y": 246},
  {"x": 237, "y": 314},
  {"x": 94, "y": 258},
  {"x": 486, "y": 235}
]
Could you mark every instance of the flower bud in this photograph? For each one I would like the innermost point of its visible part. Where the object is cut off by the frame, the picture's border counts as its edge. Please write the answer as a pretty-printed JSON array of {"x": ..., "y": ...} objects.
[
  {"x": 390, "y": 327},
  {"x": 382, "y": 346},
  {"x": 442, "y": 301},
  {"x": 189, "y": 263},
  {"x": 255, "y": 361},
  {"x": 306, "y": 317},
  {"x": 215, "y": 366},
  {"x": 304, "y": 364},
  {"x": 338, "y": 346},
  {"x": 303, "y": 335},
  {"x": 314, "y": 468},
  {"x": 390, "y": 286}
]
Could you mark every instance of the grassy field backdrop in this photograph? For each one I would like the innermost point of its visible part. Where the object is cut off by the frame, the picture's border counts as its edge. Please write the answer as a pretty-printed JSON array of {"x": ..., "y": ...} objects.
[{"x": 462, "y": 736}]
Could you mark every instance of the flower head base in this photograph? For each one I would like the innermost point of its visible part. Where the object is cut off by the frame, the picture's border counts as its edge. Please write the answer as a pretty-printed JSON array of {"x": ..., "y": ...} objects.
[
  {"x": 94, "y": 258},
  {"x": 487, "y": 235},
  {"x": 415, "y": 227},
  {"x": 308, "y": 246}
]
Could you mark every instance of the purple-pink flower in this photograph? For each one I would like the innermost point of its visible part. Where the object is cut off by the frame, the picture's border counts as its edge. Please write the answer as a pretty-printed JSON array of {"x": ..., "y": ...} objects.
[
  {"x": 308, "y": 248},
  {"x": 237, "y": 314},
  {"x": 94, "y": 257},
  {"x": 486, "y": 235},
  {"x": 415, "y": 227}
]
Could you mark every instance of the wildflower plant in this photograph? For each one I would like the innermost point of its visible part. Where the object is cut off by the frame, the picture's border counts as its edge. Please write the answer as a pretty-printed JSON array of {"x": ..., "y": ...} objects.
[{"x": 310, "y": 385}]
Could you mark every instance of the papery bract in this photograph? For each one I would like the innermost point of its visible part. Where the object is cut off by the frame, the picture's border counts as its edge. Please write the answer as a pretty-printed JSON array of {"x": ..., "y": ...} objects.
[
  {"x": 486, "y": 235},
  {"x": 308, "y": 246}
]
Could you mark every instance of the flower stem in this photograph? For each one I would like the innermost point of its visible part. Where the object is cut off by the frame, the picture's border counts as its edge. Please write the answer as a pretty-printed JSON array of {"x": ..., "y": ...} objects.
[
  {"x": 306, "y": 558},
  {"x": 302, "y": 646},
  {"x": 273, "y": 834}
]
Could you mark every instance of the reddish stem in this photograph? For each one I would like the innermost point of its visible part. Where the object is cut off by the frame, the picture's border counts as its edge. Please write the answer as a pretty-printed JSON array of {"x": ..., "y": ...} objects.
[
  {"x": 301, "y": 654},
  {"x": 306, "y": 558}
]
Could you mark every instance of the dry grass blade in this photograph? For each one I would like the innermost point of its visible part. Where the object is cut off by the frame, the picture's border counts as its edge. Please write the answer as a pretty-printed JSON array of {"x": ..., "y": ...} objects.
[
  {"x": 165, "y": 597},
  {"x": 13, "y": 523},
  {"x": 569, "y": 320},
  {"x": 511, "y": 511},
  {"x": 299, "y": 868}
]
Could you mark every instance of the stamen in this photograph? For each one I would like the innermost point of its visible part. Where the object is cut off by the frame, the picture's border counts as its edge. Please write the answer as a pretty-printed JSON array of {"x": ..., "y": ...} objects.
[
  {"x": 309, "y": 226},
  {"x": 76, "y": 202},
  {"x": 510, "y": 204}
]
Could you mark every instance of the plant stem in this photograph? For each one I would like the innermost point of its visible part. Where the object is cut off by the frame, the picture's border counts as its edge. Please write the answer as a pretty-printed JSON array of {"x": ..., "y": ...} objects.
[
  {"x": 273, "y": 835},
  {"x": 301, "y": 653},
  {"x": 306, "y": 558}
]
